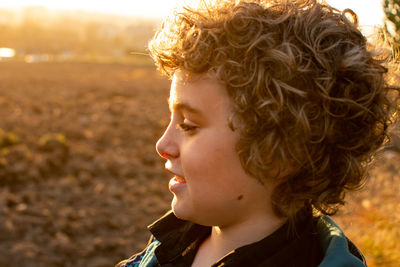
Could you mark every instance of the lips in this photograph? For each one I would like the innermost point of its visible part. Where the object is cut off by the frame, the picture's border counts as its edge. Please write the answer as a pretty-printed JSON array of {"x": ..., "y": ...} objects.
[
  {"x": 176, "y": 181},
  {"x": 179, "y": 179},
  {"x": 177, "y": 184}
]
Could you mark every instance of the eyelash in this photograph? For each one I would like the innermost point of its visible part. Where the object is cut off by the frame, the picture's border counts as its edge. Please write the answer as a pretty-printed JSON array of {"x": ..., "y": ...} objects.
[{"x": 185, "y": 127}]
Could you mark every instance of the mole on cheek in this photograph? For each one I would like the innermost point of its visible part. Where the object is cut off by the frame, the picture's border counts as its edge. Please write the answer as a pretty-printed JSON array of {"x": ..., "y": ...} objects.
[{"x": 240, "y": 197}]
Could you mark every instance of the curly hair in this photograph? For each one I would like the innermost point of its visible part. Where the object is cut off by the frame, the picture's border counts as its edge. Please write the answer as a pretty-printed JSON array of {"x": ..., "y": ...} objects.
[{"x": 311, "y": 100}]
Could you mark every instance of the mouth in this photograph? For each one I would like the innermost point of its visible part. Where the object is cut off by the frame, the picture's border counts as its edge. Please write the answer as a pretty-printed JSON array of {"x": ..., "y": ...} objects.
[
  {"x": 176, "y": 182},
  {"x": 177, "y": 176},
  {"x": 178, "y": 179}
]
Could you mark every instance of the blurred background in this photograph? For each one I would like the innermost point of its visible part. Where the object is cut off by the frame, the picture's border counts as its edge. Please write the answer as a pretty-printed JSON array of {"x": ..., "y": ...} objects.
[{"x": 81, "y": 107}]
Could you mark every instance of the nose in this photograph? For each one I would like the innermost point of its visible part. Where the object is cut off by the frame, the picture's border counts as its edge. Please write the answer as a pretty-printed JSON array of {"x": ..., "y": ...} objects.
[{"x": 167, "y": 146}]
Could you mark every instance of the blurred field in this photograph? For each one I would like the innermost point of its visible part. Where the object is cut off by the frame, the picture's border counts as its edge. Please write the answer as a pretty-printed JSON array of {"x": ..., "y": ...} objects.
[
  {"x": 371, "y": 217},
  {"x": 80, "y": 179}
]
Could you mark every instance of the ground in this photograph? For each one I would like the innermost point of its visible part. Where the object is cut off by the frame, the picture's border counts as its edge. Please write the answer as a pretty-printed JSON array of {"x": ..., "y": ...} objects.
[{"x": 80, "y": 178}]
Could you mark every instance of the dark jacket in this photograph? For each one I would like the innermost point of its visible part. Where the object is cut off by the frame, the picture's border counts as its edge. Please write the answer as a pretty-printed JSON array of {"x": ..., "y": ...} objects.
[{"x": 336, "y": 249}]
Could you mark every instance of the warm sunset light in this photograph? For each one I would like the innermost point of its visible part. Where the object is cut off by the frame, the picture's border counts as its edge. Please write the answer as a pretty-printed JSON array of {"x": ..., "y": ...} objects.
[
  {"x": 46, "y": 30},
  {"x": 370, "y": 14},
  {"x": 149, "y": 8},
  {"x": 90, "y": 152},
  {"x": 6, "y": 52}
]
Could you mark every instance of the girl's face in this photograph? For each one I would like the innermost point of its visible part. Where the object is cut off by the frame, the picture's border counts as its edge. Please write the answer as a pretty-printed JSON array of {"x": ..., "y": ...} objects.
[{"x": 209, "y": 186}]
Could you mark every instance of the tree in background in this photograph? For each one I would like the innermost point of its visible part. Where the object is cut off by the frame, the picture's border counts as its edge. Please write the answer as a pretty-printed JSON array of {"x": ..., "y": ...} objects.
[{"x": 391, "y": 8}]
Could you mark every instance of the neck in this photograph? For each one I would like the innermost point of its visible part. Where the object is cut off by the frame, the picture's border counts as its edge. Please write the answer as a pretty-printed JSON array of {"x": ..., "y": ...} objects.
[{"x": 226, "y": 239}]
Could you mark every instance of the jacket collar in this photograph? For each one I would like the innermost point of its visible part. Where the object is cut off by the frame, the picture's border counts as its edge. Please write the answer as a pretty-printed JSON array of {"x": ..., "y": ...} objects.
[
  {"x": 181, "y": 238},
  {"x": 176, "y": 236},
  {"x": 338, "y": 249}
]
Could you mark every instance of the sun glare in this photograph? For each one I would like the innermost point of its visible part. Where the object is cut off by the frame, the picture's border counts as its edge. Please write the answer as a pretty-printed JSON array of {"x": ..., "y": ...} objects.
[
  {"x": 148, "y": 8},
  {"x": 369, "y": 14},
  {"x": 6, "y": 52}
]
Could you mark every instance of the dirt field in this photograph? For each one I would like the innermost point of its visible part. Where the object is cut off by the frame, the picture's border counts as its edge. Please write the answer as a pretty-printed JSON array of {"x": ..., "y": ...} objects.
[{"x": 80, "y": 178}]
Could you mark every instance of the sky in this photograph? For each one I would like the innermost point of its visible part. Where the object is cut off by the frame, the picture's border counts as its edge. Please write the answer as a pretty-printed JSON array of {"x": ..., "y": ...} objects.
[{"x": 369, "y": 12}]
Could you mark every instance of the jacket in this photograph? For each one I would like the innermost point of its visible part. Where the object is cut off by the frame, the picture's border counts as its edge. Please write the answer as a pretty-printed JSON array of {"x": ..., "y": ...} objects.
[{"x": 338, "y": 250}]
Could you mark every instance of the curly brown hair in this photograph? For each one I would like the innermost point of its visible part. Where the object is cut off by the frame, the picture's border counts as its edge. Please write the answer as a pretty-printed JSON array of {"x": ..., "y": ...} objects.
[{"x": 311, "y": 100}]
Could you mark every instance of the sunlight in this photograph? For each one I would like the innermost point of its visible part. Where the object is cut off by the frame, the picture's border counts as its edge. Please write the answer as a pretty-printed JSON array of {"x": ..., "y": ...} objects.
[
  {"x": 6, "y": 52},
  {"x": 149, "y": 8},
  {"x": 370, "y": 15}
]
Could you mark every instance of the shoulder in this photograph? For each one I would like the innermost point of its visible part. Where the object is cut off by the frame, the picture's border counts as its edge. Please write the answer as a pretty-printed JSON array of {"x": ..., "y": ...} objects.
[{"x": 338, "y": 249}]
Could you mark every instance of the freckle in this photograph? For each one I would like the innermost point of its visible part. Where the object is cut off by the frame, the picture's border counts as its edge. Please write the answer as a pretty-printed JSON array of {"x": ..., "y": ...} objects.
[{"x": 240, "y": 197}]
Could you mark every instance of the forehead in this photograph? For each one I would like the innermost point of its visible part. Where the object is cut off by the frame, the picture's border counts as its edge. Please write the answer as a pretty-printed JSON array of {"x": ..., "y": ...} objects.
[
  {"x": 200, "y": 94},
  {"x": 197, "y": 88}
]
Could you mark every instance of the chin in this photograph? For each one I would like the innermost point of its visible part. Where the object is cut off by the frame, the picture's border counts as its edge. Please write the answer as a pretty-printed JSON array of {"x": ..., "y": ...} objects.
[
  {"x": 189, "y": 214},
  {"x": 181, "y": 210},
  {"x": 177, "y": 209}
]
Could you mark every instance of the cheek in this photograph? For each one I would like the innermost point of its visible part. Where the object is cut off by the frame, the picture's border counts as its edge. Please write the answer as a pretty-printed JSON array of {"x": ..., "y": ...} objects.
[{"x": 211, "y": 158}]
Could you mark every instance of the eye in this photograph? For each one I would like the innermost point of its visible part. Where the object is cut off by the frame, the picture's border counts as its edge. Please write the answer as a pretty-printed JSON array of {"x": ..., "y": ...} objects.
[{"x": 186, "y": 127}]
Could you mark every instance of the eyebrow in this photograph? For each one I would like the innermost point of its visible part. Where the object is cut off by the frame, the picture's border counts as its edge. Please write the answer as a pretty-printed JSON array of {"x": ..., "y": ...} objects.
[{"x": 183, "y": 106}]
